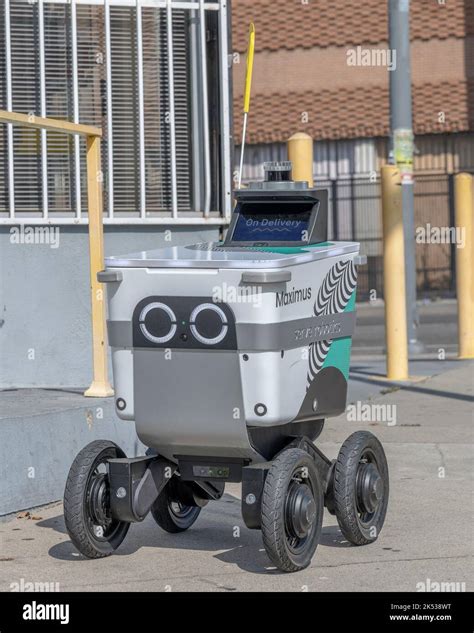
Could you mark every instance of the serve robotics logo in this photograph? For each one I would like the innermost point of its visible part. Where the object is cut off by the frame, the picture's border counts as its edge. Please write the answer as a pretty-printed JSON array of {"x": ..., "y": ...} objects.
[{"x": 293, "y": 296}]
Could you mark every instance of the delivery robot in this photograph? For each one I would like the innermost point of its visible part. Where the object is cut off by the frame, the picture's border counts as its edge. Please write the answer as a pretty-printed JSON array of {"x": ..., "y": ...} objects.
[{"x": 229, "y": 356}]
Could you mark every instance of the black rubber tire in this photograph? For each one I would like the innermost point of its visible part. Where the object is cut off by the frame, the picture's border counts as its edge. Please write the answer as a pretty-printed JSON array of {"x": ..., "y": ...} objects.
[
  {"x": 357, "y": 531},
  {"x": 76, "y": 514},
  {"x": 275, "y": 537},
  {"x": 165, "y": 516}
]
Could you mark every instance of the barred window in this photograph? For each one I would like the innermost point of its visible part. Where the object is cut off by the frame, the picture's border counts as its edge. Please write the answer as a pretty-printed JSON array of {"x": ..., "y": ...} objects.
[{"x": 108, "y": 64}]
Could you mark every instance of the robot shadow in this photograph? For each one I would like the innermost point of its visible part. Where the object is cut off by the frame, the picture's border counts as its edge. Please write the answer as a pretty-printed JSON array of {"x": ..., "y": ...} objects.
[{"x": 219, "y": 529}]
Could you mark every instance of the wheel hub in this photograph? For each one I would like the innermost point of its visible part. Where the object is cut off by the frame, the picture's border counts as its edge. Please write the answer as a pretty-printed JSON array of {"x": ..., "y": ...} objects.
[
  {"x": 301, "y": 509},
  {"x": 370, "y": 487},
  {"x": 98, "y": 500}
]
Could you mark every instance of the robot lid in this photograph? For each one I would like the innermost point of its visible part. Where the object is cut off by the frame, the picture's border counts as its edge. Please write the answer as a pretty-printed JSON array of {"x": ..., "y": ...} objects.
[
  {"x": 218, "y": 255},
  {"x": 275, "y": 223}
]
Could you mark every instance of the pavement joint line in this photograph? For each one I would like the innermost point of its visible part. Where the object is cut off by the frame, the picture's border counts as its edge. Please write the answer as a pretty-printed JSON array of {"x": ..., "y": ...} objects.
[
  {"x": 450, "y": 479},
  {"x": 441, "y": 454},
  {"x": 409, "y": 380},
  {"x": 239, "y": 570}
]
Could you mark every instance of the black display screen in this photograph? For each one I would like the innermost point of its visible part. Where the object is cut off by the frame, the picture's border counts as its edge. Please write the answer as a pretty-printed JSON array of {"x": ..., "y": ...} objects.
[{"x": 272, "y": 222}]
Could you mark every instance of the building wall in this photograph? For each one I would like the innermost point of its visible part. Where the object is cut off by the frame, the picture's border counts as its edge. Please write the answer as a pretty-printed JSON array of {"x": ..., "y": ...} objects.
[
  {"x": 45, "y": 334},
  {"x": 306, "y": 80}
]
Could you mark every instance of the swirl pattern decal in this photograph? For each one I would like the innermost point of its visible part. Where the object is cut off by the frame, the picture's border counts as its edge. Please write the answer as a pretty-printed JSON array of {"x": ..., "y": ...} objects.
[{"x": 333, "y": 297}]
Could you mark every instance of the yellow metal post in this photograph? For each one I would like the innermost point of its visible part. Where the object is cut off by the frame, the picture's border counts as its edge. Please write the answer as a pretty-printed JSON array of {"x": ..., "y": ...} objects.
[
  {"x": 394, "y": 275},
  {"x": 300, "y": 152},
  {"x": 100, "y": 386},
  {"x": 464, "y": 211}
]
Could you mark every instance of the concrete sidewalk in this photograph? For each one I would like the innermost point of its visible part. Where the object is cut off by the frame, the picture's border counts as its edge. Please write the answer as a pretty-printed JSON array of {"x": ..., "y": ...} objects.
[{"x": 427, "y": 535}]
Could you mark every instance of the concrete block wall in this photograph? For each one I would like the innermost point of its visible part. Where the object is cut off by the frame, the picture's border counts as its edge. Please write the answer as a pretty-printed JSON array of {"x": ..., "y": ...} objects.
[{"x": 41, "y": 432}]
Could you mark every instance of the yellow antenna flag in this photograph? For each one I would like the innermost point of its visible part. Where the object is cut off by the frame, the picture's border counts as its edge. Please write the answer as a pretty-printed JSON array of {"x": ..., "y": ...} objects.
[
  {"x": 248, "y": 87},
  {"x": 248, "y": 75}
]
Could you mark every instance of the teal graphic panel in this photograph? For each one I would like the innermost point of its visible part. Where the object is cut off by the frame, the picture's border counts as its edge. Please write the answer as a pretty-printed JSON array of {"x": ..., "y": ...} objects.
[{"x": 339, "y": 354}]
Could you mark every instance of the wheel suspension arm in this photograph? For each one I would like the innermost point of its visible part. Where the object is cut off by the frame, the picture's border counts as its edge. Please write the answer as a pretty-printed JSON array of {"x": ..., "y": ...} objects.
[{"x": 135, "y": 484}]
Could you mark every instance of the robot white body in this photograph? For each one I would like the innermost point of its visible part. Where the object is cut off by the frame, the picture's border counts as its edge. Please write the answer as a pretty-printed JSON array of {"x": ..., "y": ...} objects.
[{"x": 269, "y": 362}]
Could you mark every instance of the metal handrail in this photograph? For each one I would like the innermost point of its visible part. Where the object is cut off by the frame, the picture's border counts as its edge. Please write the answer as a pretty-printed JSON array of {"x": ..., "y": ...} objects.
[{"x": 100, "y": 386}]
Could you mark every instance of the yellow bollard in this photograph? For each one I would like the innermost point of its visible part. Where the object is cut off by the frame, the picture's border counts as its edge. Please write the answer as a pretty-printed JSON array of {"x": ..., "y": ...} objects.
[
  {"x": 394, "y": 275},
  {"x": 464, "y": 211},
  {"x": 100, "y": 387},
  {"x": 300, "y": 152}
]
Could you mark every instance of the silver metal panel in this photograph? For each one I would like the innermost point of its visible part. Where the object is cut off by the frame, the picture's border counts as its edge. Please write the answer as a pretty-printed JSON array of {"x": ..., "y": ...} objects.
[
  {"x": 122, "y": 363},
  {"x": 172, "y": 413},
  {"x": 262, "y": 277},
  {"x": 119, "y": 333},
  {"x": 278, "y": 382},
  {"x": 183, "y": 257},
  {"x": 292, "y": 334}
]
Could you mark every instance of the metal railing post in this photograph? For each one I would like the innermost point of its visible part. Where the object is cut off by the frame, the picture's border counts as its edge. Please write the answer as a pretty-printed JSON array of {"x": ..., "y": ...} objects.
[
  {"x": 464, "y": 211},
  {"x": 100, "y": 387}
]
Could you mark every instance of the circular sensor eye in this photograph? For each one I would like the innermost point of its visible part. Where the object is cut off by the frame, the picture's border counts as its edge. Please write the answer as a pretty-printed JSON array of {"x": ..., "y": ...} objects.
[
  {"x": 208, "y": 324},
  {"x": 157, "y": 322}
]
